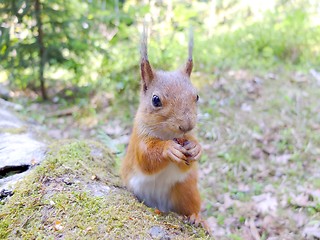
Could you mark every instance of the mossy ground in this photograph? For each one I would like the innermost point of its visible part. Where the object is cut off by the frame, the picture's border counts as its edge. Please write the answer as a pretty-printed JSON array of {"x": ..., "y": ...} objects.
[
  {"x": 76, "y": 194},
  {"x": 19, "y": 130}
]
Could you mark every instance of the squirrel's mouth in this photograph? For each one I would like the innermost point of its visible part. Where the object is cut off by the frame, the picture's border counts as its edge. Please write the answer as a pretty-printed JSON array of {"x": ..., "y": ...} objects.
[{"x": 167, "y": 133}]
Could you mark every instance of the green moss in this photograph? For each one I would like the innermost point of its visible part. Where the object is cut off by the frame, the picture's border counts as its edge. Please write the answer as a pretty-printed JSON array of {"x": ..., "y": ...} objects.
[
  {"x": 59, "y": 200},
  {"x": 14, "y": 130},
  {"x": 235, "y": 155},
  {"x": 316, "y": 182}
]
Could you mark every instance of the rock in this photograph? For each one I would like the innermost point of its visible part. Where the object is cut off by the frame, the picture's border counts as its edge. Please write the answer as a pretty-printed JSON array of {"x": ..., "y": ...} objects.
[
  {"x": 8, "y": 120},
  {"x": 6, "y": 104},
  {"x": 18, "y": 149},
  {"x": 4, "y": 92},
  {"x": 5, "y": 193},
  {"x": 158, "y": 233},
  {"x": 98, "y": 190},
  {"x": 59, "y": 199}
]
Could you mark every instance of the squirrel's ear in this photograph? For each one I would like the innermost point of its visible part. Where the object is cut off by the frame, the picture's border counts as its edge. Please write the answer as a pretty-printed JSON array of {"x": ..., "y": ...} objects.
[
  {"x": 189, "y": 65},
  {"x": 146, "y": 73}
]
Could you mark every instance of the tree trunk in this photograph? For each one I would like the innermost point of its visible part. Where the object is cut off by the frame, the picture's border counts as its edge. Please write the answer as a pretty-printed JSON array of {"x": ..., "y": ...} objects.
[{"x": 41, "y": 49}]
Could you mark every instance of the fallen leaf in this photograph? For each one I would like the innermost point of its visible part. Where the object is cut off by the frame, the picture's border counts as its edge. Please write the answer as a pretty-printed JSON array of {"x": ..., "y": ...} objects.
[
  {"x": 207, "y": 169},
  {"x": 215, "y": 229},
  {"x": 316, "y": 75},
  {"x": 93, "y": 177},
  {"x": 300, "y": 218},
  {"x": 88, "y": 229},
  {"x": 170, "y": 225},
  {"x": 302, "y": 200},
  {"x": 253, "y": 229},
  {"x": 243, "y": 187},
  {"x": 314, "y": 193},
  {"x": 33, "y": 162},
  {"x": 57, "y": 225},
  {"x": 157, "y": 211},
  {"x": 269, "y": 150},
  {"x": 246, "y": 233},
  {"x": 265, "y": 203},
  {"x": 246, "y": 107},
  {"x": 257, "y": 153},
  {"x": 227, "y": 202},
  {"x": 283, "y": 159},
  {"x": 271, "y": 76},
  {"x": 312, "y": 230}
]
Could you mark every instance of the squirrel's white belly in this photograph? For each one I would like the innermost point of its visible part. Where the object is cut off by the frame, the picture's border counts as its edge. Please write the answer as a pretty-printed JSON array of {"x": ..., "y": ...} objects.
[{"x": 154, "y": 189}]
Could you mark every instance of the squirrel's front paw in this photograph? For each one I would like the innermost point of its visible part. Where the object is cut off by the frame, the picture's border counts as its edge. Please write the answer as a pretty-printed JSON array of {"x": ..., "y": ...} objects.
[
  {"x": 193, "y": 150},
  {"x": 175, "y": 152}
]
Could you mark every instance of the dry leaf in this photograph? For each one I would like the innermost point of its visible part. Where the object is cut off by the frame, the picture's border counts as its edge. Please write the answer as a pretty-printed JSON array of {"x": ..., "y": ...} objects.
[
  {"x": 257, "y": 153},
  {"x": 246, "y": 107},
  {"x": 246, "y": 233},
  {"x": 253, "y": 229},
  {"x": 265, "y": 203},
  {"x": 33, "y": 162},
  {"x": 302, "y": 200},
  {"x": 57, "y": 225},
  {"x": 157, "y": 211},
  {"x": 214, "y": 228},
  {"x": 312, "y": 230},
  {"x": 243, "y": 187},
  {"x": 207, "y": 170},
  {"x": 227, "y": 202},
  {"x": 283, "y": 159},
  {"x": 93, "y": 177}
]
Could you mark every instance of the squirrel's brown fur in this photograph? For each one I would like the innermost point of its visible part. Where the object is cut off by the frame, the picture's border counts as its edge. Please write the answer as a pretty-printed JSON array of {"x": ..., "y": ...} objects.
[{"x": 158, "y": 169}]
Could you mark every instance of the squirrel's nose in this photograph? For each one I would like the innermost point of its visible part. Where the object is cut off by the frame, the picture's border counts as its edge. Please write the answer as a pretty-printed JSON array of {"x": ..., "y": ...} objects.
[{"x": 186, "y": 128}]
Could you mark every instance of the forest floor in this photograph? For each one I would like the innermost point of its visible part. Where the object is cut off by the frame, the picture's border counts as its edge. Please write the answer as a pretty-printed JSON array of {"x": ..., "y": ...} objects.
[{"x": 259, "y": 173}]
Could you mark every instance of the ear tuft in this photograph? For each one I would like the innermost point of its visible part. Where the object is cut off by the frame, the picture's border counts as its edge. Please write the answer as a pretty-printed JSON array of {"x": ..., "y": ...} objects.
[
  {"x": 147, "y": 74},
  {"x": 189, "y": 65}
]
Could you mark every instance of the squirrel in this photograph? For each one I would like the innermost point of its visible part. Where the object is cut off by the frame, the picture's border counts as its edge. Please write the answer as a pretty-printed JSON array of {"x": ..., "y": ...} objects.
[{"x": 160, "y": 165}]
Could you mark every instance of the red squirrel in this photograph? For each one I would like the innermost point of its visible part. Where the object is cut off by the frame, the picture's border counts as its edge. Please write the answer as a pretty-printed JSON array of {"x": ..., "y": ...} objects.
[{"x": 160, "y": 166}]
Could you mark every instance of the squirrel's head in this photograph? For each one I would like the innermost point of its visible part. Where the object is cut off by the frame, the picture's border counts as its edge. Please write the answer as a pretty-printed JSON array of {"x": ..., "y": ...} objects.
[{"x": 168, "y": 101}]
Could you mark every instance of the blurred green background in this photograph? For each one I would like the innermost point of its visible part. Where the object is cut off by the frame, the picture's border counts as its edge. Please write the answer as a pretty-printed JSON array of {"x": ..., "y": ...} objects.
[{"x": 95, "y": 44}]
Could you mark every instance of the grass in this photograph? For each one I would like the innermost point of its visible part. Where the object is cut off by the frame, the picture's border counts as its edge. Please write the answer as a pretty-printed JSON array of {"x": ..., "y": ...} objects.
[
  {"x": 263, "y": 159},
  {"x": 14, "y": 130}
]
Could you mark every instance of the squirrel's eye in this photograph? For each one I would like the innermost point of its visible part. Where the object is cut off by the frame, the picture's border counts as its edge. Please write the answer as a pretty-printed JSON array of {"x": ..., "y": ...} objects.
[
  {"x": 197, "y": 98},
  {"x": 156, "y": 102}
]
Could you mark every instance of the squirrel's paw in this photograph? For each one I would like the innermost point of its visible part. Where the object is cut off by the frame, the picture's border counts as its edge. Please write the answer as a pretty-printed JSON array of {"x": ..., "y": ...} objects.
[
  {"x": 175, "y": 152},
  {"x": 196, "y": 220},
  {"x": 193, "y": 150}
]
